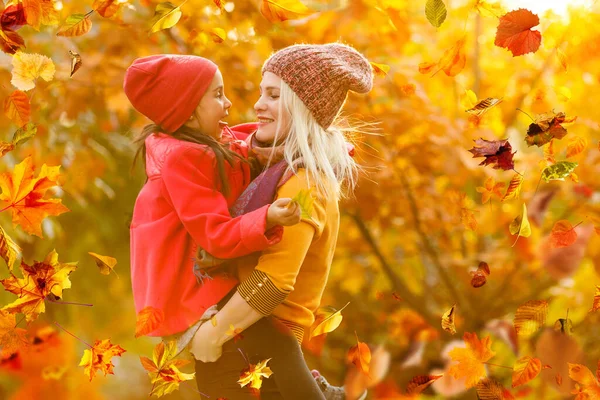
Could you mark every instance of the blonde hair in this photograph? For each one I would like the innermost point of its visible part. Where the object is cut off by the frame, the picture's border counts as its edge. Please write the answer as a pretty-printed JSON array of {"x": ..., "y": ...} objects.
[{"x": 321, "y": 152}]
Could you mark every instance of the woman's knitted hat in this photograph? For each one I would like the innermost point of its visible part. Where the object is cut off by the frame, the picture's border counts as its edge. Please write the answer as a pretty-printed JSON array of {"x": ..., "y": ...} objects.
[
  {"x": 321, "y": 75},
  {"x": 167, "y": 88}
]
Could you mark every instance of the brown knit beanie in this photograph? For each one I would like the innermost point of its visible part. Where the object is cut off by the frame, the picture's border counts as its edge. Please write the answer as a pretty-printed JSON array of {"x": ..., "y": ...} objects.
[{"x": 321, "y": 75}]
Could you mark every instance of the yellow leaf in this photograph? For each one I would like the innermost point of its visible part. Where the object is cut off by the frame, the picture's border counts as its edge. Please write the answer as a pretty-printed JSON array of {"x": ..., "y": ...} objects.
[
  {"x": 514, "y": 188},
  {"x": 467, "y": 217},
  {"x": 17, "y": 108},
  {"x": 9, "y": 250},
  {"x": 75, "y": 25},
  {"x": 305, "y": 201},
  {"x": 489, "y": 9},
  {"x": 468, "y": 99},
  {"x": 596, "y": 305},
  {"x": 562, "y": 59},
  {"x": 525, "y": 369},
  {"x": 218, "y": 35},
  {"x": 576, "y": 145},
  {"x": 166, "y": 15},
  {"x": 75, "y": 62},
  {"x": 530, "y": 317},
  {"x": 448, "y": 320},
  {"x": 563, "y": 93},
  {"x": 520, "y": 225},
  {"x": 148, "y": 320},
  {"x": 99, "y": 357},
  {"x": 28, "y": 67},
  {"x": 470, "y": 360},
  {"x": 380, "y": 69},
  {"x": 105, "y": 263},
  {"x": 327, "y": 319},
  {"x": 213, "y": 320},
  {"x": 283, "y": 10},
  {"x": 254, "y": 374}
]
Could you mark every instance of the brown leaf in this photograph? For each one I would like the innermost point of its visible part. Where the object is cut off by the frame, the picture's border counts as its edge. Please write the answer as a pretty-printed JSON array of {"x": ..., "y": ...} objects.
[
  {"x": 483, "y": 106},
  {"x": 546, "y": 127},
  {"x": 489, "y": 389},
  {"x": 420, "y": 383},
  {"x": 496, "y": 152},
  {"x": 448, "y": 320},
  {"x": 75, "y": 62}
]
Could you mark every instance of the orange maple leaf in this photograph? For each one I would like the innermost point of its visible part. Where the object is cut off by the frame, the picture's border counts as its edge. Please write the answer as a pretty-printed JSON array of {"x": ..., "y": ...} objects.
[
  {"x": 12, "y": 339},
  {"x": 99, "y": 357},
  {"x": 23, "y": 195},
  {"x": 470, "y": 360},
  {"x": 490, "y": 188},
  {"x": 163, "y": 369},
  {"x": 40, "y": 280},
  {"x": 589, "y": 387},
  {"x": 514, "y": 32}
]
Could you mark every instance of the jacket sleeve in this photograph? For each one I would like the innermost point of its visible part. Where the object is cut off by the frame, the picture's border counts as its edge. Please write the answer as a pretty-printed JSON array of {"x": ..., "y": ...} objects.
[
  {"x": 188, "y": 182},
  {"x": 275, "y": 274}
]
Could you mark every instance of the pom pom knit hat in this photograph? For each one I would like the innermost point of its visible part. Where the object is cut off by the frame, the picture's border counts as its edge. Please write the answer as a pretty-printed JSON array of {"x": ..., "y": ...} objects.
[
  {"x": 167, "y": 88},
  {"x": 321, "y": 76}
]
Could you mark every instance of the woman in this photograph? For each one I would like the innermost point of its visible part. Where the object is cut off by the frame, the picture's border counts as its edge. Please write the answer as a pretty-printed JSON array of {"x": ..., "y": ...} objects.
[{"x": 303, "y": 89}]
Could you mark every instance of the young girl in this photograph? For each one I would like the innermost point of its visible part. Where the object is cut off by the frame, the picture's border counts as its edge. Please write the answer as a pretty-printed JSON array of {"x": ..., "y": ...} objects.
[
  {"x": 302, "y": 91},
  {"x": 179, "y": 209}
]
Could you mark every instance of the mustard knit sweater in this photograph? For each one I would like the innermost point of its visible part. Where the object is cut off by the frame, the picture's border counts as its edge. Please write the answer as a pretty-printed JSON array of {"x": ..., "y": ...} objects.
[{"x": 287, "y": 279}]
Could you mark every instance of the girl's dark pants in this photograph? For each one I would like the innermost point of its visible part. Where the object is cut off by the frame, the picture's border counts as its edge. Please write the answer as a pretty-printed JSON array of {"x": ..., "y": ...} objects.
[{"x": 267, "y": 338}]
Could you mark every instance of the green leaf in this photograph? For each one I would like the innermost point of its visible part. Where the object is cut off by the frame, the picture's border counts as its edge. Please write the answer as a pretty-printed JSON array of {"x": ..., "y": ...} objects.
[
  {"x": 558, "y": 171},
  {"x": 166, "y": 15},
  {"x": 24, "y": 133},
  {"x": 520, "y": 225},
  {"x": 305, "y": 201},
  {"x": 435, "y": 11}
]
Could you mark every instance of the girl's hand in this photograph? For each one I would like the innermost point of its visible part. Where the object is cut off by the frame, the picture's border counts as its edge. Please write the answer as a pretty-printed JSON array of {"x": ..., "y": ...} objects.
[
  {"x": 204, "y": 345},
  {"x": 283, "y": 212}
]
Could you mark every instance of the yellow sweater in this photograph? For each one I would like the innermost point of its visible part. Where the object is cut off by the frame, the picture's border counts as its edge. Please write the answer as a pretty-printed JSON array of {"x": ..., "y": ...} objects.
[{"x": 287, "y": 279}]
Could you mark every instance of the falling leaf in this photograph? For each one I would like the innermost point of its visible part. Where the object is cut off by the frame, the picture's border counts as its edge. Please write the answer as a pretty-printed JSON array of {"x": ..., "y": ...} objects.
[
  {"x": 563, "y": 234},
  {"x": 559, "y": 379},
  {"x": 583, "y": 376},
  {"x": 549, "y": 153},
  {"x": 576, "y": 145},
  {"x": 163, "y": 369},
  {"x": 435, "y": 11},
  {"x": 99, "y": 357},
  {"x": 483, "y": 106},
  {"x": 13, "y": 17},
  {"x": 75, "y": 25},
  {"x": 234, "y": 332},
  {"x": 470, "y": 360},
  {"x": 558, "y": 171},
  {"x": 327, "y": 319},
  {"x": 467, "y": 218},
  {"x": 525, "y": 369},
  {"x": 105, "y": 263},
  {"x": 283, "y": 10},
  {"x": 564, "y": 326},
  {"x": 40, "y": 12},
  {"x": 427, "y": 67},
  {"x": 454, "y": 59},
  {"x": 17, "y": 108},
  {"x": 420, "y": 383},
  {"x": 10, "y": 41},
  {"x": 28, "y": 67},
  {"x": 24, "y": 133},
  {"x": 75, "y": 62},
  {"x": 219, "y": 3},
  {"x": 479, "y": 277},
  {"x": 514, "y": 32},
  {"x": 107, "y": 8},
  {"x": 12, "y": 339},
  {"x": 218, "y": 35},
  {"x": 496, "y": 152},
  {"x": 489, "y": 9},
  {"x": 514, "y": 188},
  {"x": 148, "y": 320},
  {"x": 490, "y": 188},
  {"x": 408, "y": 89},
  {"x": 380, "y": 69},
  {"x": 40, "y": 280},
  {"x": 546, "y": 127},
  {"x": 254, "y": 373},
  {"x": 23, "y": 195},
  {"x": 520, "y": 225},
  {"x": 360, "y": 356},
  {"x": 489, "y": 389},
  {"x": 53, "y": 372},
  {"x": 563, "y": 93},
  {"x": 305, "y": 201},
  {"x": 530, "y": 317},
  {"x": 562, "y": 59},
  {"x": 468, "y": 99},
  {"x": 9, "y": 250},
  {"x": 166, "y": 15},
  {"x": 596, "y": 306},
  {"x": 448, "y": 320}
]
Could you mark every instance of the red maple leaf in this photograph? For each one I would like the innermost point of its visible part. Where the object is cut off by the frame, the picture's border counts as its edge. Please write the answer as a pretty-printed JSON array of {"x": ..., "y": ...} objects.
[
  {"x": 496, "y": 152},
  {"x": 514, "y": 32}
]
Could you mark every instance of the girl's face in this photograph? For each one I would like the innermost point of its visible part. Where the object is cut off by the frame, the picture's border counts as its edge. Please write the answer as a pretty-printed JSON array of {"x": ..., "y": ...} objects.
[
  {"x": 213, "y": 107},
  {"x": 267, "y": 109}
]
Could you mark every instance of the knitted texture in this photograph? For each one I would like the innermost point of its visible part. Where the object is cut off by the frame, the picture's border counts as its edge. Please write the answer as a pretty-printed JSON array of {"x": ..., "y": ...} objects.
[
  {"x": 321, "y": 75},
  {"x": 167, "y": 88}
]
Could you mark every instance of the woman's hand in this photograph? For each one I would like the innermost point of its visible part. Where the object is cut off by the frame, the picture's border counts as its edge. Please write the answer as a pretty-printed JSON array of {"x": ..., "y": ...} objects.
[
  {"x": 283, "y": 212},
  {"x": 205, "y": 346}
]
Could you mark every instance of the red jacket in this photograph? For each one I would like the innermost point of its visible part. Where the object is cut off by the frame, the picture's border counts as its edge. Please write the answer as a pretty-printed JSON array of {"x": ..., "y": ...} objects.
[{"x": 178, "y": 209}]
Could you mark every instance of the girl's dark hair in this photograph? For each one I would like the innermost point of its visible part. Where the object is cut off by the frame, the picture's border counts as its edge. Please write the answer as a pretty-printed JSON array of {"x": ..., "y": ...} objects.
[{"x": 222, "y": 153}]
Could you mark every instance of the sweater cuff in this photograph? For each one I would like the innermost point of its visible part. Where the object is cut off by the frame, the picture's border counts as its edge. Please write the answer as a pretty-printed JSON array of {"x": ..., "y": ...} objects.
[
  {"x": 253, "y": 226},
  {"x": 261, "y": 293}
]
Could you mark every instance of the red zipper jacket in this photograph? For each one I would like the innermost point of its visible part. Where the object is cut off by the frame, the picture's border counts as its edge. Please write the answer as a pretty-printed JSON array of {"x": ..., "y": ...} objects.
[{"x": 179, "y": 209}]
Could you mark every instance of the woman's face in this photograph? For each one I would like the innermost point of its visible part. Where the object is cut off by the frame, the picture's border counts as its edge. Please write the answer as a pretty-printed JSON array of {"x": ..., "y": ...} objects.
[
  {"x": 213, "y": 107},
  {"x": 267, "y": 109}
]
